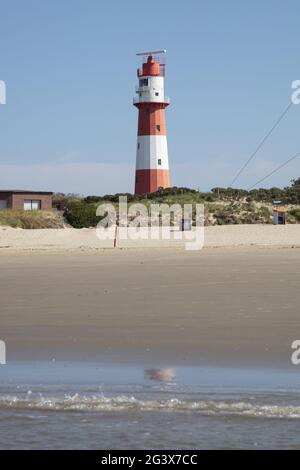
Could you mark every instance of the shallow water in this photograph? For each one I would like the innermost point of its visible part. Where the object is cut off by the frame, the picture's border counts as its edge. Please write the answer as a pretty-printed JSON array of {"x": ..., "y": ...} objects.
[{"x": 92, "y": 406}]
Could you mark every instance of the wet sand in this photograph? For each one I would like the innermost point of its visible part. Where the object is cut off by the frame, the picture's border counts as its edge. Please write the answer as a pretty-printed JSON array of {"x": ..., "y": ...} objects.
[{"x": 215, "y": 306}]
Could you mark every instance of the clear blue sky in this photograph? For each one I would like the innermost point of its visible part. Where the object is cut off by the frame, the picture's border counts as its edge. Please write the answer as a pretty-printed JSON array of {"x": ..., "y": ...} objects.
[{"x": 70, "y": 70}]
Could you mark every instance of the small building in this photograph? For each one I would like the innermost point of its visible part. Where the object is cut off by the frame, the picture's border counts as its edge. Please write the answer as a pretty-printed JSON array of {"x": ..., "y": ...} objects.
[
  {"x": 279, "y": 213},
  {"x": 279, "y": 216},
  {"x": 27, "y": 200}
]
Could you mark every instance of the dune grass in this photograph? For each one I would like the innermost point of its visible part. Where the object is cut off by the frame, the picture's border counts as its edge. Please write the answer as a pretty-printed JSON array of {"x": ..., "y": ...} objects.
[{"x": 30, "y": 219}]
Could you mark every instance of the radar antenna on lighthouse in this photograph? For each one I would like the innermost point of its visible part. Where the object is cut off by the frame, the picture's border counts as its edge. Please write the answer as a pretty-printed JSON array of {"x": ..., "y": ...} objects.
[{"x": 152, "y": 165}]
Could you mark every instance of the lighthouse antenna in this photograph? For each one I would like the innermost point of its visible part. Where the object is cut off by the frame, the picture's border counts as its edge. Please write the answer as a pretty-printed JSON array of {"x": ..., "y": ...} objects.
[{"x": 162, "y": 51}]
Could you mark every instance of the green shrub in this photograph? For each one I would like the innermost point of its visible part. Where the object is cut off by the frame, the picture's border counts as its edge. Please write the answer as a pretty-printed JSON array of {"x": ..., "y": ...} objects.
[
  {"x": 81, "y": 214},
  {"x": 295, "y": 213}
]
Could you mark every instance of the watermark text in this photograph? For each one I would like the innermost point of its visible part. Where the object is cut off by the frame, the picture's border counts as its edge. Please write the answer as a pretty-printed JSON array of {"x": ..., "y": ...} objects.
[
  {"x": 2, "y": 92},
  {"x": 2, "y": 352},
  {"x": 152, "y": 222}
]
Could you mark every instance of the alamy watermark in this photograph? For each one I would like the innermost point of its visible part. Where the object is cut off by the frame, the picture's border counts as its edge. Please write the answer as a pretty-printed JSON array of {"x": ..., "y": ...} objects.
[
  {"x": 2, "y": 352},
  {"x": 152, "y": 222},
  {"x": 295, "y": 357},
  {"x": 2, "y": 92},
  {"x": 296, "y": 94}
]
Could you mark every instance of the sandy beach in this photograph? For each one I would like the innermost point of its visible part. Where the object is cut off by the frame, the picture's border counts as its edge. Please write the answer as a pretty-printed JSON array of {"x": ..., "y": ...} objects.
[
  {"x": 215, "y": 306},
  {"x": 70, "y": 239}
]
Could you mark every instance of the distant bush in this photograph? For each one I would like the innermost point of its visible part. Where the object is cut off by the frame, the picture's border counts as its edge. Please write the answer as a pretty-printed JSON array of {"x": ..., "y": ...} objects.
[
  {"x": 265, "y": 212},
  {"x": 81, "y": 214},
  {"x": 222, "y": 205},
  {"x": 111, "y": 198},
  {"x": 61, "y": 200},
  {"x": 288, "y": 195},
  {"x": 295, "y": 213},
  {"x": 161, "y": 194},
  {"x": 239, "y": 213}
]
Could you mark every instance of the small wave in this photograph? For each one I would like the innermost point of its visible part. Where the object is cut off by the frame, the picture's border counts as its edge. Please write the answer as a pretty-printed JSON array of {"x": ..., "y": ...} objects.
[{"x": 121, "y": 403}]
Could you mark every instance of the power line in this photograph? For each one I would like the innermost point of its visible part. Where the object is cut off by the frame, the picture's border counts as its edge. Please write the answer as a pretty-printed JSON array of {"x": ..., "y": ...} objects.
[
  {"x": 276, "y": 169},
  {"x": 261, "y": 143}
]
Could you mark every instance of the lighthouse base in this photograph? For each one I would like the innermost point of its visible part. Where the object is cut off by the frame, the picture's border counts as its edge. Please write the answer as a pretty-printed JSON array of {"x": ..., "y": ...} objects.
[{"x": 149, "y": 181}]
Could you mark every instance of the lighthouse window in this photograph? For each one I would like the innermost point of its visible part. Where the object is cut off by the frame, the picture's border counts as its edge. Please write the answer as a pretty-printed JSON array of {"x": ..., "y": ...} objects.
[
  {"x": 138, "y": 145},
  {"x": 158, "y": 127},
  {"x": 156, "y": 93},
  {"x": 144, "y": 82},
  {"x": 159, "y": 161}
]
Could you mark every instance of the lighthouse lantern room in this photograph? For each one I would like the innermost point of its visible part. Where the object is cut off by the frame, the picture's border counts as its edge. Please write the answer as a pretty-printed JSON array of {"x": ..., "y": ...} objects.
[{"x": 152, "y": 166}]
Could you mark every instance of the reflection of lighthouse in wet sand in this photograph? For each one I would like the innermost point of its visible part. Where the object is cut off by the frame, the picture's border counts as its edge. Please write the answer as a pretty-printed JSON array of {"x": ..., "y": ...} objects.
[{"x": 152, "y": 166}]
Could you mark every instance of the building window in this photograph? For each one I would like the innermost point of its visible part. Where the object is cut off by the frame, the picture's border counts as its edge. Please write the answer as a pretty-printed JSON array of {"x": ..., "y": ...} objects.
[
  {"x": 158, "y": 127},
  {"x": 32, "y": 204},
  {"x": 159, "y": 162},
  {"x": 156, "y": 93}
]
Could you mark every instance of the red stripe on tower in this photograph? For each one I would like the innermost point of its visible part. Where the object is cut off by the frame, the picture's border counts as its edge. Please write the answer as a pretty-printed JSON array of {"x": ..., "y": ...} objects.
[{"x": 152, "y": 165}]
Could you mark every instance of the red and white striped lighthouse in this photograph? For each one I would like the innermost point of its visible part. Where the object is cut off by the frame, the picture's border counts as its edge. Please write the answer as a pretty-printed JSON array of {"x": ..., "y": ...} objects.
[{"x": 152, "y": 165}]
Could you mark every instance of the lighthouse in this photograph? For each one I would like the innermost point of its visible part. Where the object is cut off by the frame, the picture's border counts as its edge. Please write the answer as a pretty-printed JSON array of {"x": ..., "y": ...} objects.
[{"x": 152, "y": 165}]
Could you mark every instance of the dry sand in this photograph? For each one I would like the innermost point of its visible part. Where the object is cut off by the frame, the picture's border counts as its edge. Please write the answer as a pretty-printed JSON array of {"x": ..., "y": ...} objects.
[
  {"x": 234, "y": 305},
  {"x": 86, "y": 240}
]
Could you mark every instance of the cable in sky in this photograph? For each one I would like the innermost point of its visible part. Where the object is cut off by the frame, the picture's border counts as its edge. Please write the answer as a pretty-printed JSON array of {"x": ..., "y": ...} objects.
[
  {"x": 275, "y": 170},
  {"x": 261, "y": 143}
]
